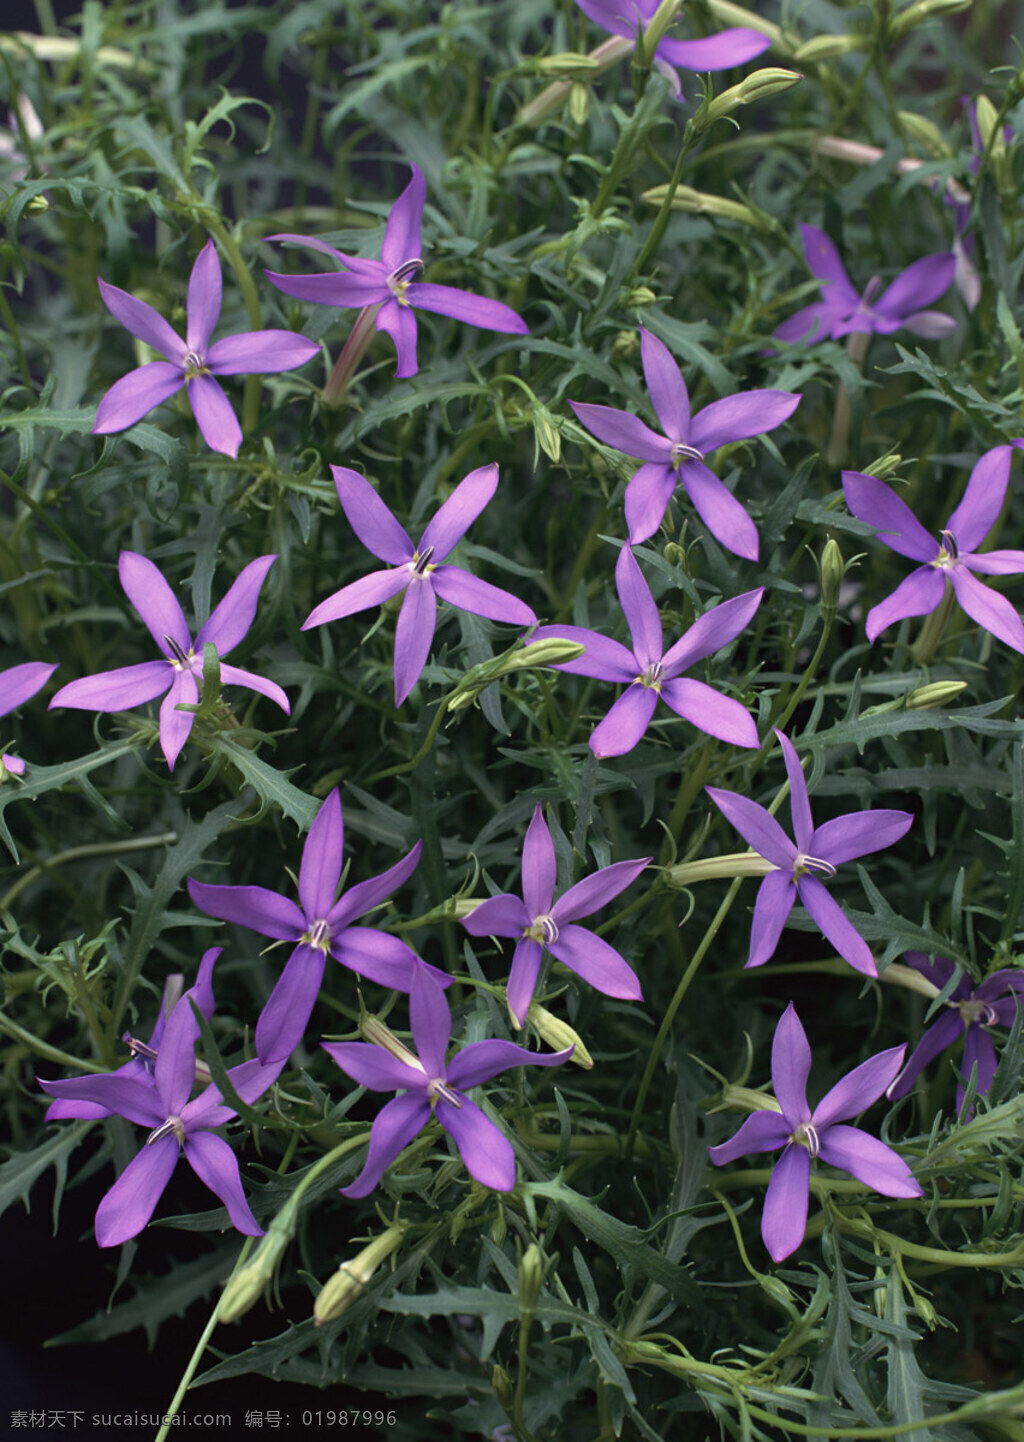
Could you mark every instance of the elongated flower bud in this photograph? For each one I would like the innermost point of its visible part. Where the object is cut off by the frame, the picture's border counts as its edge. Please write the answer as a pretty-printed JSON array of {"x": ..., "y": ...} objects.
[
  {"x": 711, "y": 868},
  {"x": 833, "y": 569},
  {"x": 349, "y": 1282},
  {"x": 922, "y": 11},
  {"x": 656, "y": 31},
  {"x": 698, "y": 203},
  {"x": 246, "y": 1287},
  {"x": 938, "y": 693},
  {"x": 925, "y": 133},
  {"x": 530, "y": 1279},
  {"x": 826, "y": 47},
  {"x": 558, "y": 1034},
  {"x": 761, "y": 85},
  {"x": 567, "y": 64}
]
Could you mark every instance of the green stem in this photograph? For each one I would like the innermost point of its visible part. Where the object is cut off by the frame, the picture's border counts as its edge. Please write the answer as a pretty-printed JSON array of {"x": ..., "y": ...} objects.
[
  {"x": 76, "y": 853},
  {"x": 664, "y": 215},
  {"x": 925, "y": 646},
  {"x": 43, "y": 1049}
]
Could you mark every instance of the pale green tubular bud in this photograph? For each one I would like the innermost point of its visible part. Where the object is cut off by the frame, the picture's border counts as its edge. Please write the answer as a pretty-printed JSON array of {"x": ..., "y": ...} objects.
[
  {"x": 579, "y": 104},
  {"x": 463, "y": 906},
  {"x": 713, "y": 868},
  {"x": 502, "y": 1384},
  {"x": 899, "y": 975},
  {"x": 924, "y": 10},
  {"x": 641, "y": 296},
  {"x": 349, "y": 1282},
  {"x": 558, "y": 1034},
  {"x": 656, "y": 31},
  {"x": 747, "y": 1100},
  {"x": 761, "y": 85},
  {"x": 567, "y": 65},
  {"x": 552, "y": 651},
  {"x": 833, "y": 569},
  {"x": 938, "y": 693},
  {"x": 696, "y": 202},
  {"x": 544, "y": 428},
  {"x": 826, "y": 47},
  {"x": 373, "y": 1030},
  {"x": 988, "y": 123},
  {"x": 245, "y": 1288},
  {"x": 531, "y": 1279},
  {"x": 885, "y": 466},
  {"x": 925, "y": 133}
]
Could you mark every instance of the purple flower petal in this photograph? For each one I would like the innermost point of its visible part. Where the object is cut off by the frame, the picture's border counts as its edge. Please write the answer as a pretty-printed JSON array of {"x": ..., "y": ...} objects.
[
  {"x": 371, "y": 590},
  {"x": 596, "y": 891},
  {"x": 283, "y": 1020},
  {"x": 799, "y": 802},
  {"x": 414, "y": 634},
  {"x": 859, "y": 1088},
  {"x": 394, "y": 1128},
  {"x": 320, "y": 870},
  {"x": 204, "y": 297},
  {"x": 639, "y": 608},
  {"x": 715, "y": 52},
  {"x": 252, "y": 906},
  {"x": 19, "y": 683},
  {"x": 979, "y": 1050},
  {"x": 232, "y": 618},
  {"x": 135, "y": 395},
  {"x": 500, "y": 916},
  {"x": 469, "y": 593},
  {"x": 988, "y": 608},
  {"x": 488, "y": 1154},
  {"x": 334, "y": 288},
  {"x": 131, "y": 1201},
  {"x": 371, "y": 519},
  {"x": 599, "y": 964},
  {"x": 460, "y": 510},
  {"x": 870, "y": 1161},
  {"x": 826, "y": 912},
  {"x": 784, "y": 1219},
  {"x": 720, "y": 511},
  {"x": 757, "y": 827},
  {"x": 175, "y": 725},
  {"x": 431, "y": 1022},
  {"x": 994, "y": 563},
  {"x": 605, "y": 659},
  {"x": 608, "y": 14},
  {"x": 482, "y": 1060},
  {"x": 791, "y": 1066},
  {"x": 367, "y": 895},
  {"x": 625, "y": 723},
  {"x": 214, "y": 415},
  {"x": 260, "y": 352},
  {"x": 235, "y": 676},
  {"x": 383, "y": 958},
  {"x": 938, "y": 970},
  {"x": 998, "y": 984},
  {"x": 917, "y": 286},
  {"x": 464, "y": 305},
  {"x": 539, "y": 869},
  {"x": 919, "y": 595},
  {"x": 351, "y": 262},
  {"x": 131, "y": 1095},
  {"x": 215, "y": 1163},
  {"x": 710, "y": 712},
  {"x": 144, "y": 322},
  {"x": 522, "y": 978},
  {"x": 872, "y": 501},
  {"x": 648, "y": 493},
  {"x": 776, "y": 897},
  {"x": 399, "y": 322},
  {"x": 717, "y": 627},
  {"x": 736, "y": 418},
  {"x": 940, "y": 1035},
  {"x": 669, "y": 395},
  {"x": 824, "y": 262},
  {"x": 624, "y": 432},
  {"x": 983, "y": 499},
  {"x": 375, "y": 1068},
  {"x": 402, "y": 232},
  {"x": 931, "y": 324},
  {"x": 174, "y": 1071},
  {"x": 810, "y": 323},
  {"x": 118, "y": 690},
  {"x": 154, "y": 600},
  {"x": 858, "y": 833},
  {"x": 761, "y": 1132}
]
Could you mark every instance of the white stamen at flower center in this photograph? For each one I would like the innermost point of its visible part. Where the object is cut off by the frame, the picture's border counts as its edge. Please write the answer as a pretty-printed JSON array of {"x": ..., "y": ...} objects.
[
  {"x": 398, "y": 280},
  {"x": 193, "y": 365},
  {"x": 976, "y": 1013},
  {"x": 650, "y": 676},
  {"x": 544, "y": 930},
  {"x": 318, "y": 935},
  {"x": 421, "y": 564},
  {"x": 173, "y": 1126},
  {"x": 681, "y": 452},
  {"x": 806, "y": 1136},
  {"x": 181, "y": 662},
  {"x": 438, "y": 1088},
  {"x": 949, "y": 551},
  {"x": 803, "y": 864},
  {"x": 139, "y": 1048}
]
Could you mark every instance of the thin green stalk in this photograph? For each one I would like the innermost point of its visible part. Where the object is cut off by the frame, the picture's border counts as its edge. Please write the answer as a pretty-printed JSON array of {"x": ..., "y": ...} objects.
[
  {"x": 664, "y": 215},
  {"x": 77, "y": 853},
  {"x": 927, "y": 643}
]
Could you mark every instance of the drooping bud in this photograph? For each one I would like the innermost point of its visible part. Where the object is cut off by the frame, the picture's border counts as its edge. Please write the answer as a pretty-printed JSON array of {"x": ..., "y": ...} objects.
[
  {"x": 558, "y": 1034},
  {"x": 246, "y": 1287},
  {"x": 349, "y": 1282},
  {"x": 553, "y": 651},
  {"x": 925, "y": 132},
  {"x": 937, "y": 693},
  {"x": 567, "y": 65},
  {"x": 826, "y": 47}
]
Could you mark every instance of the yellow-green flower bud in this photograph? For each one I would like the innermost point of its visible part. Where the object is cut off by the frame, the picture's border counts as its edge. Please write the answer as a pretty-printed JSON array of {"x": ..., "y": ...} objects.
[
  {"x": 988, "y": 123},
  {"x": 625, "y": 345},
  {"x": 761, "y": 85},
  {"x": 531, "y": 1279},
  {"x": 713, "y": 868},
  {"x": 373, "y": 1030},
  {"x": 246, "y": 1287},
  {"x": 925, "y": 133},
  {"x": 899, "y": 975},
  {"x": 349, "y": 1282},
  {"x": 885, "y": 466},
  {"x": 463, "y": 906},
  {"x": 937, "y": 693},
  {"x": 826, "y": 47},
  {"x": 579, "y": 103},
  {"x": 675, "y": 555},
  {"x": 696, "y": 202},
  {"x": 833, "y": 569},
  {"x": 655, "y": 32},
  {"x": 747, "y": 1100},
  {"x": 502, "y": 1384},
  {"x": 640, "y": 296},
  {"x": 558, "y": 1034},
  {"x": 38, "y": 205},
  {"x": 567, "y": 64},
  {"x": 544, "y": 428},
  {"x": 924, "y": 10},
  {"x": 776, "y": 1289}
]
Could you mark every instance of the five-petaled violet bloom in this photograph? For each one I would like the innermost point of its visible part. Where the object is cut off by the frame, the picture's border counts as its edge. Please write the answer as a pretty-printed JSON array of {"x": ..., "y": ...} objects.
[
  {"x": 541, "y": 924},
  {"x": 160, "y": 1099},
  {"x": 797, "y": 866},
  {"x": 716, "y": 52},
  {"x": 19, "y": 684},
  {"x": 972, "y": 1010},
  {"x": 677, "y": 457},
  {"x": 180, "y": 671},
  {"x": 318, "y": 927},
  {"x": 951, "y": 560},
  {"x": 388, "y": 286},
  {"x": 417, "y": 569},
  {"x": 805, "y": 1134},
  {"x": 841, "y": 311},
  {"x": 193, "y": 361},
  {"x": 649, "y": 671},
  {"x": 430, "y": 1085}
]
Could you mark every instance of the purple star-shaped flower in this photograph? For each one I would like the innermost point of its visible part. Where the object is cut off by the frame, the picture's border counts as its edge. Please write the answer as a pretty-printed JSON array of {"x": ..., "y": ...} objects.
[
  {"x": 70, "y": 1099},
  {"x": 677, "y": 457},
  {"x": 648, "y": 671},
  {"x": 805, "y": 1134},
  {"x": 429, "y": 1085},
  {"x": 949, "y": 561},
  {"x": 417, "y": 570},
  {"x": 817, "y": 851},
  {"x": 180, "y": 670},
  {"x": 193, "y": 361},
  {"x": 540, "y": 926},
  {"x": 160, "y": 1100},
  {"x": 388, "y": 285},
  {"x": 974, "y": 1010},
  {"x": 841, "y": 311},
  {"x": 318, "y": 927},
  {"x": 17, "y": 685},
  {"x": 716, "y": 52}
]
